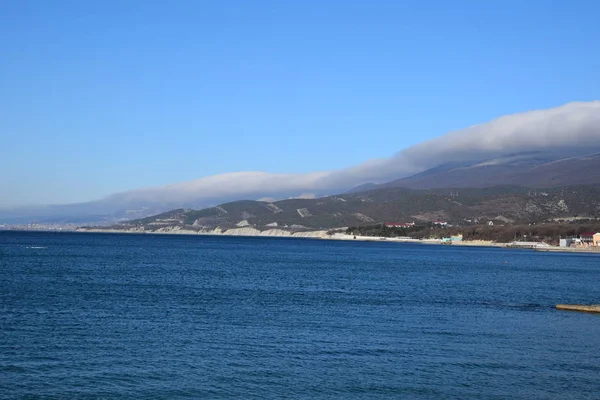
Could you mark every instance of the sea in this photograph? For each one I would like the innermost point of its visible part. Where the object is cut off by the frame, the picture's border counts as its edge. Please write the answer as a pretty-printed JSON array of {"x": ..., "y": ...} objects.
[{"x": 125, "y": 316}]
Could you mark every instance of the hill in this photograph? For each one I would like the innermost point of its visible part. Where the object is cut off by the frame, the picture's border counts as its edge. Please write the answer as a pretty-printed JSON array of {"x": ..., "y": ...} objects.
[
  {"x": 502, "y": 204},
  {"x": 533, "y": 169}
]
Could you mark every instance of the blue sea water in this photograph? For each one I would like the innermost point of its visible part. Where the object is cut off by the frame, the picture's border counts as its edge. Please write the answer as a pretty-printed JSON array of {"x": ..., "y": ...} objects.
[{"x": 113, "y": 316}]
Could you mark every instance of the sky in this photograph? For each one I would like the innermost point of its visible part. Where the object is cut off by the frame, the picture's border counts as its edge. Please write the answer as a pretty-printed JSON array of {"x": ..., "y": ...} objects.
[{"x": 103, "y": 97}]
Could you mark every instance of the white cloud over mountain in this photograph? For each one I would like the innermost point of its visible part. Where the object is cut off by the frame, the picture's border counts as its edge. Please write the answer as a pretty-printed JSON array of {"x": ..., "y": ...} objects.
[{"x": 574, "y": 125}]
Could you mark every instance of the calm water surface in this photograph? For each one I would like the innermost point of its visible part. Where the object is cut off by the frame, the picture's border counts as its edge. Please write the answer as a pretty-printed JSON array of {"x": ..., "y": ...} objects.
[{"x": 134, "y": 316}]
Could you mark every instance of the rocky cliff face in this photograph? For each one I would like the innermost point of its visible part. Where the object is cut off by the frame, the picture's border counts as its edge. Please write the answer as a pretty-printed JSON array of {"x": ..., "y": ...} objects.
[{"x": 177, "y": 230}]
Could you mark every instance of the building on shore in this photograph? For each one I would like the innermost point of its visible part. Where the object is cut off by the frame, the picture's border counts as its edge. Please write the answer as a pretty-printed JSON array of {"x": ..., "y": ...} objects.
[
  {"x": 452, "y": 239},
  {"x": 590, "y": 239},
  {"x": 585, "y": 239},
  {"x": 569, "y": 242}
]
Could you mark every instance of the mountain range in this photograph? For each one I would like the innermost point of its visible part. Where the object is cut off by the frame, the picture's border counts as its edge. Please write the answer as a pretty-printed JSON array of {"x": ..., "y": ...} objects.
[
  {"x": 535, "y": 149},
  {"x": 500, "y": 204},
  {"x": 504, "y": 177},
  {"x": 530, "y": 169}
]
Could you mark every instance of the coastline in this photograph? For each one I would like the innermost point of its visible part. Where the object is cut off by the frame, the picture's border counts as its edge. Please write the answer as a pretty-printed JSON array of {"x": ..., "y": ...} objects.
[
  {"x": 323, "y": 235},
  {"x": 317, "y": 234}
]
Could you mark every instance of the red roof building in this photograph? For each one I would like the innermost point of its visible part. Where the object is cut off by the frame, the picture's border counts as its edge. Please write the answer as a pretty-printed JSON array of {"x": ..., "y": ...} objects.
[{"x": 590, "y": 238}]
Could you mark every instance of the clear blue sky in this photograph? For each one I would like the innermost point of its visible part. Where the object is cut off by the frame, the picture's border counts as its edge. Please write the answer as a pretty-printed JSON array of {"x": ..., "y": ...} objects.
[{"x": 98, "y": 97}]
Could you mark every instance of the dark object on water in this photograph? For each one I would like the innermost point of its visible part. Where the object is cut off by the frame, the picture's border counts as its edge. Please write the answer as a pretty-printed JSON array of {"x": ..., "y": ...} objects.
[{"x": 593, "y": 308}]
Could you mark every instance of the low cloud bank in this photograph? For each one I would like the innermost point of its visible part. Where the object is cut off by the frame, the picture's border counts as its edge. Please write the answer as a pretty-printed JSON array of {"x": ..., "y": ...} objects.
[{"x": 571, "y": 126}]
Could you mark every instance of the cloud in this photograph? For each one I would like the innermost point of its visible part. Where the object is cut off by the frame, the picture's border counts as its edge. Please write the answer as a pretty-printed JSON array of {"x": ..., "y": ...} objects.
[
  {"x": 574, "y": 125},
  {"x": 235, "y": 185}
]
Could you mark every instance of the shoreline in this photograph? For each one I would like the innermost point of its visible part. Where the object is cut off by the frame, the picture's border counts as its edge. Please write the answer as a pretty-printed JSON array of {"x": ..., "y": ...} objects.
[
  {"x": 593, "y": 250},
  {"x": 324, "y": 235},
  {"x": 318, "y": 235}
]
